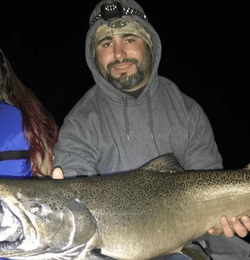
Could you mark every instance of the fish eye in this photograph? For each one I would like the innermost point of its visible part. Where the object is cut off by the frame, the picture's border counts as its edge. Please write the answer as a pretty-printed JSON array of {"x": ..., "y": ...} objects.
[{"x": 36, "y": 208}]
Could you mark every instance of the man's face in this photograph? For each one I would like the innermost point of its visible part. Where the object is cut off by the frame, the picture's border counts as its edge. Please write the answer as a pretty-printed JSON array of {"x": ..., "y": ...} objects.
[{"x": 124, "y": 60}]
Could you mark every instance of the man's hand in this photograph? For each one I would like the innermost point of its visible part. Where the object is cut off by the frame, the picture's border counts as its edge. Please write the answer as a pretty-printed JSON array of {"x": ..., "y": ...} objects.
[
  {"x": 239, "y": 226},
  {"x": 57, "y": 173}
]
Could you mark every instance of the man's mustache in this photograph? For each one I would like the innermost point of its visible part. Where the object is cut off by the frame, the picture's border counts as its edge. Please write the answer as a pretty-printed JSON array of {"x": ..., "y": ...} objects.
[{"x": 125, "y": 60}]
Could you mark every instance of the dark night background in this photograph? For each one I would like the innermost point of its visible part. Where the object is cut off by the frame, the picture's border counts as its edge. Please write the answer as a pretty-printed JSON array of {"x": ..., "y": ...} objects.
[{"x": 205, "y": 52}]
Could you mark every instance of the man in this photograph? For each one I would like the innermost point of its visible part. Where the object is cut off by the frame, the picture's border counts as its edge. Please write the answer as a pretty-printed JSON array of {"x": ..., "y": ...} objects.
[{"x": 132, "y": 114}]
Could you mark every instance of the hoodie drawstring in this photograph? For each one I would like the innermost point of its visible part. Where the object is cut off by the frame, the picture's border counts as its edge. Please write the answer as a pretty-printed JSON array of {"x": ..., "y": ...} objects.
[
  {"x": 150, "y": 120},
  {"x": 126, "y": 116},
  {"x": 150, "y": 117}
]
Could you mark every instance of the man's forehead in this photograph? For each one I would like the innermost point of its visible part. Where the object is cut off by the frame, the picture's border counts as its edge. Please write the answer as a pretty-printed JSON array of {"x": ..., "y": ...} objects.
[{"x": 124, "y": 35}]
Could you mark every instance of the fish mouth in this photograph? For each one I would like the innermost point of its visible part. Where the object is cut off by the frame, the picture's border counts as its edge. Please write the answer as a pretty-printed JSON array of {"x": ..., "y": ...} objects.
[
  {"x": 11, "y": 245},
  {"x": 11, "y": 230}
]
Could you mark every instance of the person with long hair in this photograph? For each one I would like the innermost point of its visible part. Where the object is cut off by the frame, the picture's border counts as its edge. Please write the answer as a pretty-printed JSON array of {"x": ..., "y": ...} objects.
[{"x": 28, "y": 131}]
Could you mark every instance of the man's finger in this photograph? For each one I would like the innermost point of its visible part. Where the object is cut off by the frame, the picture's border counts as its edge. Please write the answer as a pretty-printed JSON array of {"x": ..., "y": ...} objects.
[
  {"x": 227, "y": 229},
  {"x": 57, "y": 173},
  {"x": 215, "y": 231},
  {"x": 239, "y": 228},
  {"x": 246, "y": 222}
]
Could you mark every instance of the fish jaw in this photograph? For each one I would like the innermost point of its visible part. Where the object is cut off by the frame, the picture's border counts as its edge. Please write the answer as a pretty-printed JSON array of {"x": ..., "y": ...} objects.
[
  {"x": 37, "y": 226},
  {"x": 37, "y": 230},
  {"x": 16, "y": 233},
  {"x": 34, "y": 246},
  {"x": 26, "y": 227},
  {"x": 10, "y": 229}
]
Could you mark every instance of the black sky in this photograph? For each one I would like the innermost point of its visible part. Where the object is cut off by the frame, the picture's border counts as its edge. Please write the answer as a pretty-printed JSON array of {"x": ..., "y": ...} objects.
[{"x": 205, "y": 52}]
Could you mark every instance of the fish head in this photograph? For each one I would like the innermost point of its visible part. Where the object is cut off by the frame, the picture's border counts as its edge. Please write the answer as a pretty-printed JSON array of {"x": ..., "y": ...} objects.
[{"x": 34, "y": 223}]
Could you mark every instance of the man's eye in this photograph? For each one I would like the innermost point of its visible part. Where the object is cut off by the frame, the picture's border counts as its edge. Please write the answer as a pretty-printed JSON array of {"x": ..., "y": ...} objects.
[
  {"x": 130, "y": 40},
  {"x": 106, "y": 44}
]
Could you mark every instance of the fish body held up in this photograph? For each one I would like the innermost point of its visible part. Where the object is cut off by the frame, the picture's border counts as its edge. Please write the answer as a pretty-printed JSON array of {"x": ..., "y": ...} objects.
[{"x": 135, "y": 215}]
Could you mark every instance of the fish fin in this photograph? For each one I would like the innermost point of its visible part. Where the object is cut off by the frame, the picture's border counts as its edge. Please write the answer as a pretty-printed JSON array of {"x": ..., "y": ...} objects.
[
  {"x": 247, "y": 167},
  {"x": 95, "y": 254},
  {"x": 72, "y": 253},
  {"x": 166, "y": 163},
  {"x": 195, "y": 252}
]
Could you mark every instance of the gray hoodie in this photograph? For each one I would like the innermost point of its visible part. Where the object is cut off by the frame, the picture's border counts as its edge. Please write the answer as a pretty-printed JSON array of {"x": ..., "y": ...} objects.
[{"x": 109, "y": 131}]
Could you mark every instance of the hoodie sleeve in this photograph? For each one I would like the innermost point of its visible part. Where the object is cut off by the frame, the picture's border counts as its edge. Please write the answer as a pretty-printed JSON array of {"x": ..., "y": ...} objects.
[
  {"x": 69, "y": 153},
  {"x": 202, "y": 151}
]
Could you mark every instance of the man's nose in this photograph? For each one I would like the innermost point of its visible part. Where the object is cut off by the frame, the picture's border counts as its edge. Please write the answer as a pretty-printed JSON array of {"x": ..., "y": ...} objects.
[{"x": 119, "y": 51}]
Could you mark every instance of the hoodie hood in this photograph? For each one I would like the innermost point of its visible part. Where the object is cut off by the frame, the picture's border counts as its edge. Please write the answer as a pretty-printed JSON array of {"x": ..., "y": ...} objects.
[{"x": 139, "y": 15}]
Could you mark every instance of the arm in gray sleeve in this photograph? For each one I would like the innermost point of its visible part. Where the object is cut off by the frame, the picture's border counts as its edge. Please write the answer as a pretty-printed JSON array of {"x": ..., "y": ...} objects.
[
  {"x": 75, "y": 151},
  {"x": 202, "y": 151}
]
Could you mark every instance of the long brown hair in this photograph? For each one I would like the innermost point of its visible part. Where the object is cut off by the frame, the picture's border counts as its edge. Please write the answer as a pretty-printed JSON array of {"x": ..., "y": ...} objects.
[{"x": 42, "y": 131}]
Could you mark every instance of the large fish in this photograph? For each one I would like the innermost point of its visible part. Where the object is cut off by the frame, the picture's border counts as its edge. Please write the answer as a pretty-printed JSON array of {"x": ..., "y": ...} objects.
[{"x": 140, "y": 214}]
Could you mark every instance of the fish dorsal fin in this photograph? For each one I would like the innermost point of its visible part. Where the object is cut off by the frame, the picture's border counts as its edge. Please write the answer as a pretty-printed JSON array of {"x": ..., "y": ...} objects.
[
  {"x": 166, "y": 163},
  {"x": 247, "y": 167}
]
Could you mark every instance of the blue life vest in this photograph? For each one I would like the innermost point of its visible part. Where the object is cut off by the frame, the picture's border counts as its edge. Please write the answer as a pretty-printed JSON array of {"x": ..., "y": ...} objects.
[{"x": 14, "y": 149}]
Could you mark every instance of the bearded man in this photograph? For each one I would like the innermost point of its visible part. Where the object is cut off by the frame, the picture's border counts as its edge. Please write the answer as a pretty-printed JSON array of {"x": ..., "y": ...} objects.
[{"x": 132, "y": 115}]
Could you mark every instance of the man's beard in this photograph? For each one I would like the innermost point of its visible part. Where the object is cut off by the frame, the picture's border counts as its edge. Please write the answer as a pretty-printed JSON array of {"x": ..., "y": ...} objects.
[{"x": 126, "y": 82}]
